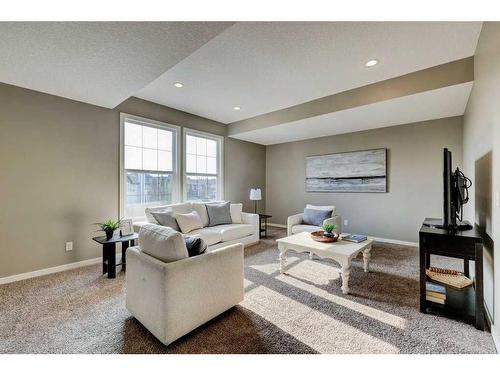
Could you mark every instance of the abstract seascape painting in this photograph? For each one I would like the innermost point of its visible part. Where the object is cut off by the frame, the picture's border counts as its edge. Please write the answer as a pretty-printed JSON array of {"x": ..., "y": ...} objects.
[{"x": 347, "y": 172}]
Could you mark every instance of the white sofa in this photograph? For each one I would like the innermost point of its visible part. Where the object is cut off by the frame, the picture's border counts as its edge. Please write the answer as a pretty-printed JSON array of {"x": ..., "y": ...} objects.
[
  {"x": 172, "y": 298},
  {"x": 243, "y": 230},
  {"x": 295, "y": 225}
]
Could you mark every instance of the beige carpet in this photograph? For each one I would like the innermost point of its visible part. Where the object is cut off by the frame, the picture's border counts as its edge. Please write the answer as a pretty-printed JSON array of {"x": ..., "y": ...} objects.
[{"x": 303, "y": 311}]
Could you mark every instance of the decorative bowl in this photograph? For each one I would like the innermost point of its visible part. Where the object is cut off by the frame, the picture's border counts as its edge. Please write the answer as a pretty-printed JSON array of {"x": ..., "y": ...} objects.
[{"x": 319, "y": 236}]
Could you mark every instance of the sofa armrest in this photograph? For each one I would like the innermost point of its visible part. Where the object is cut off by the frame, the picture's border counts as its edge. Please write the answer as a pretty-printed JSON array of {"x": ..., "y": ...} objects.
[
  {"x": 335, "y": 220},
  {"x": 252, "y": 219},
  {"x": 293, "y": 220}
]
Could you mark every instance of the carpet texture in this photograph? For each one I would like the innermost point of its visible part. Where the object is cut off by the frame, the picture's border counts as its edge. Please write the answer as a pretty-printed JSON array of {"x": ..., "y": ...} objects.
[{"x": 302, "y": 311}]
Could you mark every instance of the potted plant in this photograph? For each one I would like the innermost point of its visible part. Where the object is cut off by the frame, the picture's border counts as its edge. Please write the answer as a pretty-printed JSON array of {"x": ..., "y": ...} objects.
[
  {"x": 109, "y": 226},
  {"x": 328, "y": 229}
]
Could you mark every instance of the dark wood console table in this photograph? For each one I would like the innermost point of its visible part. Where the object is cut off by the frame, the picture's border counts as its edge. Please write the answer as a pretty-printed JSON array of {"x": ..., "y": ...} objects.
[{"x": 466, "y": 303}]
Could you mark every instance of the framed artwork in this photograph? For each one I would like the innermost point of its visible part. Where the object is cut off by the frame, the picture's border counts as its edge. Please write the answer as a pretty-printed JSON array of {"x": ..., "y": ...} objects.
[
  {"x": 348, "y": 172},
  {"x": 126, "y": 227}
]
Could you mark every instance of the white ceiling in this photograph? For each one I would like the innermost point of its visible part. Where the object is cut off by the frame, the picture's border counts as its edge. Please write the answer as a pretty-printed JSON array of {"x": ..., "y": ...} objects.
[
  {"x": 99, "y": 63},
  {"x": 434, "y": 104},
  {"x": 263, "y": 67}
]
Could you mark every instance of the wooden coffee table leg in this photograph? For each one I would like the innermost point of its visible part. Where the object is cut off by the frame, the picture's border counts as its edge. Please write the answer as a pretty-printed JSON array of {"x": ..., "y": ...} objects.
[
  {"x": 345, "y": 272},
  {"x": 366, "y": 258}
]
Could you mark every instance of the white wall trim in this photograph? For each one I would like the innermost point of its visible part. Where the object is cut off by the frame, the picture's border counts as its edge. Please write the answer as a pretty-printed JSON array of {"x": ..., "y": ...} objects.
[
  {"x": 496, "y": 337},
  {"x": 48, "y": 271},
  {"x": 379, "y": 239},
  {"x": 276, "y": 225}
]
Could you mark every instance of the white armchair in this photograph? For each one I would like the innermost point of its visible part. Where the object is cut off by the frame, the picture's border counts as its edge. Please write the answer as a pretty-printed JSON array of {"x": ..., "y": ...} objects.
[
  {"x": 295, "y": 224},
  {"x": 172, "y": 298}
]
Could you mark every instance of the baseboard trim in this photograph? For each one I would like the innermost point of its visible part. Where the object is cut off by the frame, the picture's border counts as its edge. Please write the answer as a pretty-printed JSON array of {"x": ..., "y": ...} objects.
[
  {"x": 48, "y": 271},
  {"x": 378, "y": 239},
  {"x": 276, "y": 225},
  {"x": 395, "y": 242},
  {"x": 496, "y": 337}
]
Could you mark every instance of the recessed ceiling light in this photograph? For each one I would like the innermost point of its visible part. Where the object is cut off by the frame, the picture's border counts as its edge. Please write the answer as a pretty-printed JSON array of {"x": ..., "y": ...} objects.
[
  {"x": 236, "y": 108},
  {"x": 371, "y": 63},
  {"x": 178, "y": 85}
]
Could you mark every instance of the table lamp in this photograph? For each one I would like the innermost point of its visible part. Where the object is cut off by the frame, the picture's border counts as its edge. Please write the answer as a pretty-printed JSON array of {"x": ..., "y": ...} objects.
[{"x": 255, "y": 195}]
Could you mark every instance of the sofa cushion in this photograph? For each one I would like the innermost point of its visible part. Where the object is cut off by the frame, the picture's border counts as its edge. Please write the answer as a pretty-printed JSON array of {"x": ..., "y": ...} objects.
[
  {"x": 304, "y": 228},
  {"x": 162, "y": 243},
  {"x": 219, "y": 213},
  {"x": 315, "y": 217},
  {"x": 235, "y": 210},
  {"x": 202, "y": 211},
  {"x": 229, "y": 232},
  {"x": 182, "y": 208},
  {"x": 325, "y": 208},
  {"x": 166, "y": 218},
  {"x": 189, "y": 222},
  {"x": 209, "y": 236}
]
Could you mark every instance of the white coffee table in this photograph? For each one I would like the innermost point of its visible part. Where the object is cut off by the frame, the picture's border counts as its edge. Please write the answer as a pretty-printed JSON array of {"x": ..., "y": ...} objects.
[{"x": 341, "y": 251}]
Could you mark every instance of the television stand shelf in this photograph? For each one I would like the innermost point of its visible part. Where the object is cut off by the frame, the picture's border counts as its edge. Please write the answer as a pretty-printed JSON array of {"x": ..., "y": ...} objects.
[{"x": 466, "y": 303}]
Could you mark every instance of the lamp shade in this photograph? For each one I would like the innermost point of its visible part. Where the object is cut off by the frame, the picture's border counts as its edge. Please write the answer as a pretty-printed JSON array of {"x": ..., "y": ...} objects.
[{"x": 255, "y": 195}]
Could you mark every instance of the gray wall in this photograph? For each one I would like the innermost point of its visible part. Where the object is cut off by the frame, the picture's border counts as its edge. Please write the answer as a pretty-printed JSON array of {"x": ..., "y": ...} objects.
[
  {"x": 414, "y": 162},
  {"x": 59, "y": 163},
  {"x": 482, "y": 158}
]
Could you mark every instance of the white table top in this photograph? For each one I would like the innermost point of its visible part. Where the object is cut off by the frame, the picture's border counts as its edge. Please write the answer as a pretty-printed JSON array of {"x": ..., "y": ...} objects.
[{"x": 340, "y": 247}]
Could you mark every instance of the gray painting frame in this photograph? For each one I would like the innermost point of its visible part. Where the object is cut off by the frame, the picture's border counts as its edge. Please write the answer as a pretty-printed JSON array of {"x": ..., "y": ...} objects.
[{"x": 355, "y": 188}]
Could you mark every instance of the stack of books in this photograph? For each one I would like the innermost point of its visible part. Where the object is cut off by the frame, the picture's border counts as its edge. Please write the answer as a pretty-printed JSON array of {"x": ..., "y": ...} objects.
[{"x": 435, "y": 293}]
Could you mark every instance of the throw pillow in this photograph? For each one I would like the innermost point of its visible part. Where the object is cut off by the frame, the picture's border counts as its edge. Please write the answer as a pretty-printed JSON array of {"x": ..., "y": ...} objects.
[
  {"x": 167, "y": 219},
  {"x": 162, "y": 243},
  {"x": 219, "y": 213},
  {"x": 195, "y": 245},
  {"x": 315, "y": 217},
  {"x": 235, "y": 210},
  {"x": 324, "y": 208},
  {"x": 189, "y": 222}
]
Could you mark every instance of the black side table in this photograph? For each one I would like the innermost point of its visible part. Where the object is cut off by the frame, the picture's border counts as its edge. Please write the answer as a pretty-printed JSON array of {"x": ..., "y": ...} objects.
[
  {"x": 109, "y": 252},
  {"x": 263, "y": 220}
]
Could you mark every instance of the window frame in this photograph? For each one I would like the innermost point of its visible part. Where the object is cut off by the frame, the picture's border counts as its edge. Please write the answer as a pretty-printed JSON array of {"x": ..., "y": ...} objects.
[
  {"x": 176, "y": 167},
  {"x": 220, "y": 163}
]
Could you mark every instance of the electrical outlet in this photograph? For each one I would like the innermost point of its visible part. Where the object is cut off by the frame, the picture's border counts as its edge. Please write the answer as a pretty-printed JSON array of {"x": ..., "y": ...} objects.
[
  {"x": 69, "y": 246},
  {"x": 346, "y": 222}
]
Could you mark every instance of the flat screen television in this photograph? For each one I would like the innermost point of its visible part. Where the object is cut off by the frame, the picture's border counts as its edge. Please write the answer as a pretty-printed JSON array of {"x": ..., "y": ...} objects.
[{"x": 455, "y": 194}]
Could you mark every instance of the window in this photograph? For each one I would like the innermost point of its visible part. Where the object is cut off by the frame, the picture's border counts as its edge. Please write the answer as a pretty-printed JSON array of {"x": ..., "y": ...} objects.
[
  {"x": 149, "y": 171},
  {"x": 203, "y": 166}
]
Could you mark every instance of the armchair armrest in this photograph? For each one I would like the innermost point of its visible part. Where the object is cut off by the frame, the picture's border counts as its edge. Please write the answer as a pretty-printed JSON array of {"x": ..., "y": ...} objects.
[
  {"x": 335, "y": 220},
  {"x": 293, "y": 220},
  {"x": 138, "y": 224}
]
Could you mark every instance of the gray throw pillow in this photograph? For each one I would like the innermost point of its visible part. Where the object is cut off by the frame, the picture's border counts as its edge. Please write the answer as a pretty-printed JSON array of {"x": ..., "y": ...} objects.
[
  {"x": 315, "y": 217},
  {"x": 219, "y": 213},
  {"x": 166, "y": 219}
]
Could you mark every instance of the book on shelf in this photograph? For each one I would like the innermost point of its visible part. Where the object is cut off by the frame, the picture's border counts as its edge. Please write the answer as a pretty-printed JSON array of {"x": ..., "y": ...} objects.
[
  {"x": 432, "y": 287},
  {"x": 354, "y": 238},
  {"x": 435, "y": 295},
  {"x": 435, "y": 300}
]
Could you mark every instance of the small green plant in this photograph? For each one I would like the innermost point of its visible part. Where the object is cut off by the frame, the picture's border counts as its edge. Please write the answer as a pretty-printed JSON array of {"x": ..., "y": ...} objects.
[
  {"x": 328, "y": 228},
  {"x": 109, "y": 226}
]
